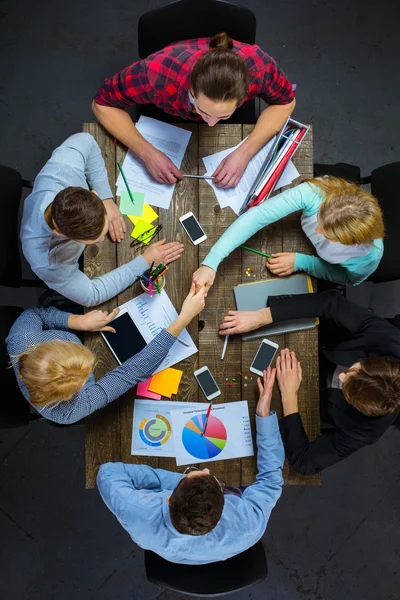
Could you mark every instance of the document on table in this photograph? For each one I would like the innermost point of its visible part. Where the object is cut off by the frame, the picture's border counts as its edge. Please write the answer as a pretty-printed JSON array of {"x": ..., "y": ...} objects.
[
  {"x": 170, "y": 140},
  {"x": 152, "y": 433},
  {"x": 234, "y": 197},
  {"x": 150, "y": 315}
]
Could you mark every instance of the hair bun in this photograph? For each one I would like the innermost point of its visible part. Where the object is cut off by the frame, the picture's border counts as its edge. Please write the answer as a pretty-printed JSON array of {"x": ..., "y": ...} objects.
[{"x": 221, "y": 40}]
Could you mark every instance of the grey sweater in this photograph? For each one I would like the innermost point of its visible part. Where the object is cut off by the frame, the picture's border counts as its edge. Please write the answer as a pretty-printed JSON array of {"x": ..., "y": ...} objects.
[{"x": 54, "y": 258}]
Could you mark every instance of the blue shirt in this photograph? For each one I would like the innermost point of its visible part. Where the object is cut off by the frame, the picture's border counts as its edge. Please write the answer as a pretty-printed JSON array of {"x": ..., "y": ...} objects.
[
  {"x": 54, "y": 258},
  {"x": 307, "y": 198},
  {"x": 137, "y": 495}
]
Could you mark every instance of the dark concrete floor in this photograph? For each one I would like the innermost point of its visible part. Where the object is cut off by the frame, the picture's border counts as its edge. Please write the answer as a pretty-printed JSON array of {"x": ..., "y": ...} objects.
[{"x": 339, "y": 541}]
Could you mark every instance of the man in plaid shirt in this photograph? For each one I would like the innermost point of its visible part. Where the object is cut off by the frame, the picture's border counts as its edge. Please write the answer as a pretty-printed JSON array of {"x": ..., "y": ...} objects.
[{"x": 202, "y": 79}]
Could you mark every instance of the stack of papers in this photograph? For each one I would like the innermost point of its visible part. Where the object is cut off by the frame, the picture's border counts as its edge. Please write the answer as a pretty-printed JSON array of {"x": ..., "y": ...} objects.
[
  {"x": 234, "y": 197},
  {"x": 170, "y": 140}
]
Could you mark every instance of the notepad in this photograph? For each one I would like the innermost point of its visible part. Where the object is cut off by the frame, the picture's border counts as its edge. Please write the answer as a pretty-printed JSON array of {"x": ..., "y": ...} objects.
[
  {"x": 149, "y": 215},
  {"x": 127, "y": 207},
  {"x": 166, "y": 382},
  {"x": 143, "y": 390},
  {"x": 253, "y": 296},
  {"x": 141, "y": 228}
]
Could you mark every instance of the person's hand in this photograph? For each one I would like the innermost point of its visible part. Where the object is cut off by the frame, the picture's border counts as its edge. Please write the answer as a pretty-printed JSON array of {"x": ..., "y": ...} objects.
[
  {"x": 289, "y": 375},
  {"x": 204, "y": 276},
  {"x": 116, "y": 223},
  {"x": 265, "y": 389},
  {"x": 161, "y": 168},
  {"x": 239, "y": 321},
  {"x": 193, "y": 303},
  {"x": 161, "y": 252},
  {"x": 282, "y": 263},
  {"x": 229, "y": 172},
  {"x": 95, "y": 320}
]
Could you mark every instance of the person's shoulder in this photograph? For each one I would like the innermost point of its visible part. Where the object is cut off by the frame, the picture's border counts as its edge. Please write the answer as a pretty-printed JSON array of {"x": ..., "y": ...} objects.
[{"x": 254, "y": 56}]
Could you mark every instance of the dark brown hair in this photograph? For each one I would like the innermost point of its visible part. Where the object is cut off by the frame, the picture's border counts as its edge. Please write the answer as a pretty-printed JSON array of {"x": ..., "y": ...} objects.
[
  {"x": 78, "y": 214},
  {"x": 374, "y": 388},
  {"x": 196, "y": 504},
  {"x": 220, "y": 74}
]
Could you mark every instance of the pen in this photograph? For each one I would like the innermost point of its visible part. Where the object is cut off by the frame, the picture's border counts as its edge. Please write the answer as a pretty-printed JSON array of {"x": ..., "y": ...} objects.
[
  {"x": 224, "y": 348},
  {"x": 160, "y": 274},
  {"x": 206, "y": 421},
  {"x": 199, "y": 176},
  {"x": 126, "y": 183},
  {"x": 256, "y": 251},
  {"x": 151, "y": 268}
]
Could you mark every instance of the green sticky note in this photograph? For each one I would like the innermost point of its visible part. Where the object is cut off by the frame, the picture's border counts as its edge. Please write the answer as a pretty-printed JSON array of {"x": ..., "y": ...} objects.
[{"x": 127, "y": 207}]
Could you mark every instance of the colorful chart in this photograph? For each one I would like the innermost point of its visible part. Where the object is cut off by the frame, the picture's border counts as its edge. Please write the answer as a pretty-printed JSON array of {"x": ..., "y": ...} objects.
[
  {"x": 208, "y": 445},
  {"x": 155, "y": 432}
]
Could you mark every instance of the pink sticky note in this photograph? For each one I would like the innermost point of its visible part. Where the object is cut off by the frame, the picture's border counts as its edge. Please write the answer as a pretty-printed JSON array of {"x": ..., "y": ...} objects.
[{"x": 143, "y": 390}]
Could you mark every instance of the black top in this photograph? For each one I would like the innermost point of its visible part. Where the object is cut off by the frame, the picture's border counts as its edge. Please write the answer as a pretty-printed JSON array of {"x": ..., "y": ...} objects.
[{"x": 357, "y": 333}]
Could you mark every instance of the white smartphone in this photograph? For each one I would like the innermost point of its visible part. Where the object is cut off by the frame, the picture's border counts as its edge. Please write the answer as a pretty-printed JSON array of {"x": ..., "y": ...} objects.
[
  {"x": 264, "y": 357},
  {"x": 193, "y": 228},
  {"x": 207, "y": 383}
]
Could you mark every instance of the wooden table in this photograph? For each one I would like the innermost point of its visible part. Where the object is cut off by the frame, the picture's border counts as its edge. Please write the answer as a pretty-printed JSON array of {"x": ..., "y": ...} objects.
[{"x": 108, "y": 431}]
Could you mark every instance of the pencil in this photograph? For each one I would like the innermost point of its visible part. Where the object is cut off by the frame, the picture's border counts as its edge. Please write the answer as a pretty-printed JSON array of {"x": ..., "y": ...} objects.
[
  {"x": 126, "y": 183},
  {"x": 256, "y": 251},
  {"x": 224, "y": 348},
  {"x": 206, "y": 421},
  {"x": 199, "y": 176}
]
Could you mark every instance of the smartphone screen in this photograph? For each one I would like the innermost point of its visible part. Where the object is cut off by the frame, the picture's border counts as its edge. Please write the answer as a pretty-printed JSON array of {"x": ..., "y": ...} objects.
[
  {"x": 207, "y": 383},
  {"x": 193, "y": 228},
  {"x": 127, "y": 341},
  {"x": 264, "y": 357}
]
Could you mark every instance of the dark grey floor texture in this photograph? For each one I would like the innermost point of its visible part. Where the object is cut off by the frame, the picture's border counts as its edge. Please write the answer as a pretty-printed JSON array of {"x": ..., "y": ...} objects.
[{"x": 339, "y": 541}]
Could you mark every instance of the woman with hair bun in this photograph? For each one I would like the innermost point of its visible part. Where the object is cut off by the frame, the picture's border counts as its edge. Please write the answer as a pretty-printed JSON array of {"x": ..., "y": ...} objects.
[{"x": 202, "y": 79}]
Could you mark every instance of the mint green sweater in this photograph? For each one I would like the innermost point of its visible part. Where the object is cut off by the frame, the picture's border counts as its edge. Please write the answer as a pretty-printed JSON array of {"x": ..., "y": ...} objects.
[{"x": 303, "y": 197}]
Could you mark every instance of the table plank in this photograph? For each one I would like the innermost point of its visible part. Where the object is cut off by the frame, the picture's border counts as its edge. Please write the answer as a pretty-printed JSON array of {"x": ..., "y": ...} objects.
[
  {"x": 220, "y": 298},
  {"x": 102, "y": 428}
]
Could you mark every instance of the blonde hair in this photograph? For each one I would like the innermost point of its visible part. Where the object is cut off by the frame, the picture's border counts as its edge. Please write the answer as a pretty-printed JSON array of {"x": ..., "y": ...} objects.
[
  {"x": 54, "y": 371},
  {"x": 348, "y": 214}
]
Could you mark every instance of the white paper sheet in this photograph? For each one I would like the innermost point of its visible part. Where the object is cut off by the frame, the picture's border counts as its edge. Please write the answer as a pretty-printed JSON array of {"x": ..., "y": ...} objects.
[
  {"x": 150, "y": 315},
  {"x": 227, "y": 435},
  {"x": 167, "y": 138},
  {"x": 234, "y": 197},
  {"x": 152, "y": 433}
]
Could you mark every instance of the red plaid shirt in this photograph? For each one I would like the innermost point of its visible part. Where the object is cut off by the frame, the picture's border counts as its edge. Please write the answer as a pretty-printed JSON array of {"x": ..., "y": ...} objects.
[{"x": 163, "y": 79}]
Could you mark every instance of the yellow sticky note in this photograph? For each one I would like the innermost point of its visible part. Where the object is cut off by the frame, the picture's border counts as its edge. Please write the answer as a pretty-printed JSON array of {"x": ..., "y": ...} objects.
[
  {"x": 143, "y": 231},
  {"x": 166, "y": 382},
  {"x": 149, "y": 215}
]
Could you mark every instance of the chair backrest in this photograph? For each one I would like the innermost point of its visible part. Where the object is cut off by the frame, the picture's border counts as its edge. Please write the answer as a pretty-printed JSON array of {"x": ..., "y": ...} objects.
[
  {"x": 189, "y": 19},
  {"x": 214, "y": 579},
  {"x": 10, "y": 262},
  {"x": 14, "y": 409},
  {"x": 385, "y": 186}
]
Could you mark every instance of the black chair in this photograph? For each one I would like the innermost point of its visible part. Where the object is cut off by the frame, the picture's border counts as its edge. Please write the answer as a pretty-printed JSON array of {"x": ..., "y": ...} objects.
[
  {"x": 14, "y": 409},
  {"x": 385, "y": 186},
  {"x": 189, "y": 19},
  {"x": 214, "y": 579},
  {"x": 11, "y": 185}
]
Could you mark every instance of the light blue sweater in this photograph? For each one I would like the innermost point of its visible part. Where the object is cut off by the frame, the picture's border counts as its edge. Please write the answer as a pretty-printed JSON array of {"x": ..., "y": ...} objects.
[
  {"x": 303, "y": 197},
  {"x": 137, "y": 495},
  {"x": 54, "y": 258}
]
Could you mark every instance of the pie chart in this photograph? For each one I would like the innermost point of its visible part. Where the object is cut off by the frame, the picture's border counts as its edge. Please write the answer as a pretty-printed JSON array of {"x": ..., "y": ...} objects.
[
  {"x": 204, "y": 446},
  {"x": 155, "y": 432}
]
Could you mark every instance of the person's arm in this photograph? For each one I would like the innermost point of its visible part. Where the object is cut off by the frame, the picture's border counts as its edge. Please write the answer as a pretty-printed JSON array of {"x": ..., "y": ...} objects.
[
  {"x": 308, "y": 457},
  {"x": 34, "y": 321},
  {"x": 321, "y": 269},
  {"x": 301, "y": 197},
  {"x": 277, "y": 91},
  {"x": 129, "y": 87},
  {"x": 121, "y": 379},
  {"x": 330, "y": 304}
]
